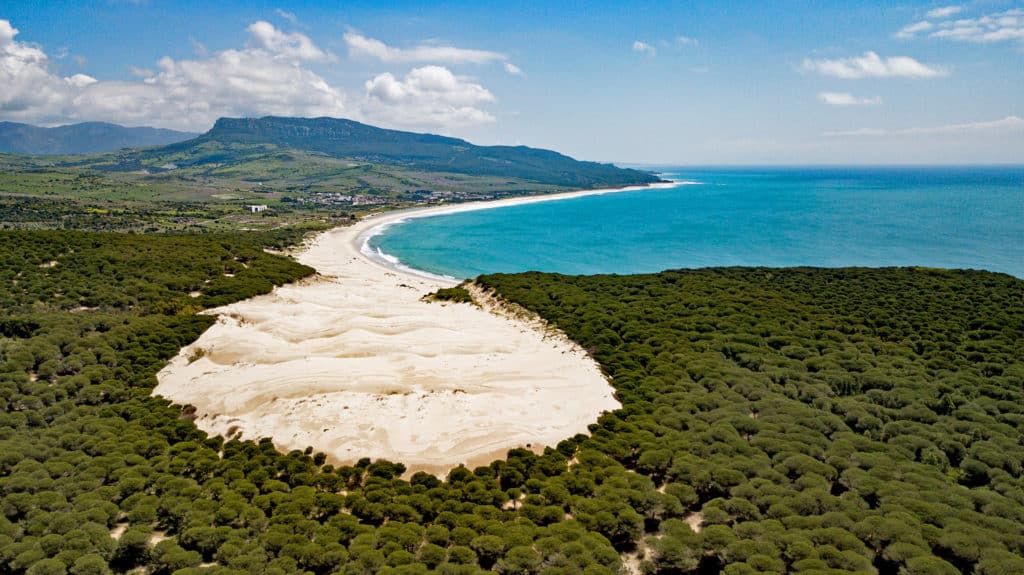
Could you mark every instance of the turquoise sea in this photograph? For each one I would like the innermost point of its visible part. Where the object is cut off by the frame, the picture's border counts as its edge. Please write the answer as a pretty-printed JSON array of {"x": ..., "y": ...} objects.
[{"x": 962, "y": 217}]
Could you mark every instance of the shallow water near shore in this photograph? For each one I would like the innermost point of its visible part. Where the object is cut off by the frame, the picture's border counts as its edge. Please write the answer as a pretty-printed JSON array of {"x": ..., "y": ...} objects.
[{"x": 962, "y": 217}]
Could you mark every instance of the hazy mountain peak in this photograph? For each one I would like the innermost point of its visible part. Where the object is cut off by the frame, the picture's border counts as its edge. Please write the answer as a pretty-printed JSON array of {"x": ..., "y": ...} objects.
[{"x": 83, "y": 138}]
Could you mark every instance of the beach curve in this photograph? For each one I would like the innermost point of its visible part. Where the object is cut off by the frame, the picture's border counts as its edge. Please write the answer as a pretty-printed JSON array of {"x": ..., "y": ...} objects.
[{"x": 355, "y": 364}]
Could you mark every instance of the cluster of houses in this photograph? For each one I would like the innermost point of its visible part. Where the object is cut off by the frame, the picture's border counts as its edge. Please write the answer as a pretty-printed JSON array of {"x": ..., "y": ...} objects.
[
  {"x": 340, "y": 199},
  {"x": 417, "y": 197}
]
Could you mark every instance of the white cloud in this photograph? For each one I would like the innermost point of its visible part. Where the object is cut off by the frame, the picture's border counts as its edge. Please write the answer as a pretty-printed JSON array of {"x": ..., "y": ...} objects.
[
  {"x": 194, "y": 93},
  {"x": 80, "y": 80},
  {"x": 912, "y": 29},
  {"x": 1009, "y": 124},
  {"x": 513, "y": 69},
  {"x": 289, "y": 16},
  {"x": 7, "y": 32},
  {"x": 846, "y": 99},
  {"x": 870, "y": 65},
  {"x": 28, "y": 90},
  {"x": 431, "y": 96},
  {"x": 687, "y": 41},
  {"x": 294, "y": 45},
  {"x": 644, "y": 48},
  {"x": 265, "y": 78},
  {"x": 998, "y": 27},
  {"x": 363, "y": 46},
  {"x": 944, "y": 12}
]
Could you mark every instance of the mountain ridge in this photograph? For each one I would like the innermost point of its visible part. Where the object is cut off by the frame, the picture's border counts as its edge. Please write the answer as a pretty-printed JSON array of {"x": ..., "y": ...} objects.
[
  {"x": 348, "y": 139},
  {"x": 82, "y": 138}
]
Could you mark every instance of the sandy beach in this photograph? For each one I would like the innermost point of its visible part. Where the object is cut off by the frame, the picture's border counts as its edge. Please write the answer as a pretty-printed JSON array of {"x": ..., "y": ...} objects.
[{"x": 354, "y": 363}]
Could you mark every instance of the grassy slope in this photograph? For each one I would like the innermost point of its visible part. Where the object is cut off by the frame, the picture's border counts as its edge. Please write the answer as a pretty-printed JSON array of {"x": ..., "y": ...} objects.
[{"x": 210, "y": 189}]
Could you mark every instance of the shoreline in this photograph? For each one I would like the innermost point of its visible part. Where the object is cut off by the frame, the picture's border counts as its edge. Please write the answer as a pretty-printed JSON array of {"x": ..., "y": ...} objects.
[
  {"x": 378, "y": 223},
  {"x": 355, "y": 364}
]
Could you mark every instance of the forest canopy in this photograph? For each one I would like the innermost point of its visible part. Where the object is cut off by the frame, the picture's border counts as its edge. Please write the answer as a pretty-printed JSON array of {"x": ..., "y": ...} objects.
[
  {"x": 799, "y": 420},
  {"x": 817, "y": 419}
]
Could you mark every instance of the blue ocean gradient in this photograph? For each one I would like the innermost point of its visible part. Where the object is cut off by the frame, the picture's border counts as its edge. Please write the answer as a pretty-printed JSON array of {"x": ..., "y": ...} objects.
[{"x": 956, "y": 217}]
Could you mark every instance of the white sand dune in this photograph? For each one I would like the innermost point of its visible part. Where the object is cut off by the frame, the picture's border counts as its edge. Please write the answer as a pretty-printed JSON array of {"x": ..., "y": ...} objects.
[{"x": 355, "y": 364}]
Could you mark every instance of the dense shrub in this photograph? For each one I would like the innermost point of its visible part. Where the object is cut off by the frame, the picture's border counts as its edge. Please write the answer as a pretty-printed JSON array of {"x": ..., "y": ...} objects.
[{"x": 831, "y": 421}]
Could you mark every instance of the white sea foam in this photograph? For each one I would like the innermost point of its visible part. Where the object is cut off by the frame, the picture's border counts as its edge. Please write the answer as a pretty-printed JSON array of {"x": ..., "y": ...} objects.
[
  {"x": 389, "y": 261},
  {"x": 388, "y": 257}
]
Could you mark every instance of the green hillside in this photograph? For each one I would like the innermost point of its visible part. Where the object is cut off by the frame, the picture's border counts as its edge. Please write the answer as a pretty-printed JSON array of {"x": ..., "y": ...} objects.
[
  {"x": 307, "y": 171},
  {"x": 346, "y": 139}
]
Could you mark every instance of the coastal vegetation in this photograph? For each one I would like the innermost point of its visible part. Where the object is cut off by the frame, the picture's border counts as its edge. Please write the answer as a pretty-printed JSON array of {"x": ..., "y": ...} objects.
[
  {"x": 213, "y": 185},
  {"x": 817, "y": 420},
  {"x": 307, "y": 172},
  {"x": 457, "y": 294},
  {"x": 814, "y": 421}
]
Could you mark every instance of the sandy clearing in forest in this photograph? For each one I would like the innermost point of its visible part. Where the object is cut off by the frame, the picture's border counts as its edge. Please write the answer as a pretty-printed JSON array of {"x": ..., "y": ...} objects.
[{"x": 355, "y": 364}]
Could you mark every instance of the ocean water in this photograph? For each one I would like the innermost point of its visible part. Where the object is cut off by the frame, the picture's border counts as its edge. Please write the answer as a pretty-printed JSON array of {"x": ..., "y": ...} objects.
[{"x": 962, "y": 217}]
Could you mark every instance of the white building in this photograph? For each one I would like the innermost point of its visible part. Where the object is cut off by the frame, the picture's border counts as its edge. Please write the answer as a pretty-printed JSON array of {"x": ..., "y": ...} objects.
[{"x": 257, "y": 208}]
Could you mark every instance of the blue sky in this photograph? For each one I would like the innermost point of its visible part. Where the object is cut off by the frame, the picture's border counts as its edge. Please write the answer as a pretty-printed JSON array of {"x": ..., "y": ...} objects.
[{"x": 644, "y": 82}]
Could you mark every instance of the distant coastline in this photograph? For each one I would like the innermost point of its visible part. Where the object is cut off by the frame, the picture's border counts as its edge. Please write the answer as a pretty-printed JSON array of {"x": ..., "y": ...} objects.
[{"x": 788, "y": 217}]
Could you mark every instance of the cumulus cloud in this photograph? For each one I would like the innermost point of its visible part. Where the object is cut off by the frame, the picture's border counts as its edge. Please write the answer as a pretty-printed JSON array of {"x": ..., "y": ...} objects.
[
  {"x": 644, "y": 48},
  {"x": 998, "y": 27},
  {"x": 846, "y": 99},
  {"x": 28, "y": 91},
  {"x": 944, "y": 12},
  {"x": 269, "y": 76},
  {"x": 80, "y": 80},
  {"x": 431, "y": 96},
  {"x": 687, "y": 41},
  {"x": 294, "y": 45},
  {"x": 265, "y": 78},
  {"x": 194, "y": 93},
  {"x": 513, "y": 69},
  {"x": 363, "y": 46},
  {"x": 911, "y": 30},
  {"x": 7, "y": 32},
  {"x": 1009, "y": 124},
  {"x": 871, "y": 65}
]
